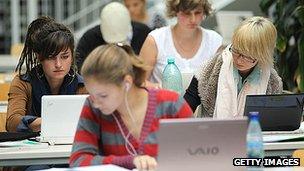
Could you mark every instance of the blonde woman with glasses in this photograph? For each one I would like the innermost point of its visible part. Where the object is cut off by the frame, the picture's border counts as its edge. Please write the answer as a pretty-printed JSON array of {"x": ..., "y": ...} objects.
[{"x": 244, "y": 67}]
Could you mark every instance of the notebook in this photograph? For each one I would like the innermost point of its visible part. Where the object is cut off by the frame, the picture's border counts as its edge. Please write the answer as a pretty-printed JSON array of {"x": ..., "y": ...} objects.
[
  {"x": 201, "y": 144},
  {"x": 59, "y": 117},
  {"x": 280, "y": 112}
]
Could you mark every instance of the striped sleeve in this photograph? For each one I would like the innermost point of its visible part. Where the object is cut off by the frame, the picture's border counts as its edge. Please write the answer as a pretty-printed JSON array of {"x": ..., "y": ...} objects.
[
  {"x": 86, "y": 148},
  {"x": 182, "y": 108},
  {"x": 172, "y": 105}
]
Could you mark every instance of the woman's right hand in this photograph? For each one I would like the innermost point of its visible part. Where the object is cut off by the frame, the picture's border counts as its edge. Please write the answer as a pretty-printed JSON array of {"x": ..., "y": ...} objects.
[
  {"x": 36, "y": 125},
  {"x": 145, "y": 163}
]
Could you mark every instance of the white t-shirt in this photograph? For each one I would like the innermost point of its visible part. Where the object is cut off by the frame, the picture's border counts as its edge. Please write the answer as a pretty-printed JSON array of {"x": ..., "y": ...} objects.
[{"x": 211, "y": 41}]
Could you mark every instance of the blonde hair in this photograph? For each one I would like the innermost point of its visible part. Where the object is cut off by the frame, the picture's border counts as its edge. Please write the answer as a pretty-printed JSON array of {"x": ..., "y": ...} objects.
[
  {"x": 174, "y": 6},
  {"x": 256, "y": 37},
  {"x": 111, "y": 63}
]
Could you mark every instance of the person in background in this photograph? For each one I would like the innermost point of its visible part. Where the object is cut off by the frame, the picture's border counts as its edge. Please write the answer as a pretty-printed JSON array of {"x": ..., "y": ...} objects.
[
  {"x": 120, "y": 118},
  {"x": 115, "y": 26},
  {"x": 50, "y": 68},
  {"x": 139, "y": 13},
  {"x": 244, "y": 67},
  {"x": 186, "y": 41}
]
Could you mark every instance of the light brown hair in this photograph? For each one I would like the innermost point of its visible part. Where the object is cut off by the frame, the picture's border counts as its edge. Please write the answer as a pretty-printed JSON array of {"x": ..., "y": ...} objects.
[{"x": 111, "y": 63}]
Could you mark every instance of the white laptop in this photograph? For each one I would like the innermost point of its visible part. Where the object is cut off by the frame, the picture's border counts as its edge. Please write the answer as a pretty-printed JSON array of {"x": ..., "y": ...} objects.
[
  {"x": 201, "y": 144},
  {"x": 228, "y": 21},
  {"x": 59, "y": 117}
]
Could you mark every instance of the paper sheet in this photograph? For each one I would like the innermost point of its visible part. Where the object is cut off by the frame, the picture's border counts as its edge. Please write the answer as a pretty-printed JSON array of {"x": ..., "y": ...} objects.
[
  {"x": 21, "y": 145},
  {"x": 276, "y": 136}
]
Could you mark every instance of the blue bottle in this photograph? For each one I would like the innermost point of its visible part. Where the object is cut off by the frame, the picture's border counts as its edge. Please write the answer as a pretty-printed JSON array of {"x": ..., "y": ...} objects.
[
  {"x": 255, "y": 147},
  {"x": 172, "y": 77}
]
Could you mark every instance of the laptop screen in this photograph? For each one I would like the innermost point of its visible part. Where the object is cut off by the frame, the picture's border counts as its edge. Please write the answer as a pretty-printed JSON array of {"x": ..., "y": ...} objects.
[
  {"x": 199, "y": 144},
  {"x": 60, "y": 115},
  {"x": 281, "y": 112}
]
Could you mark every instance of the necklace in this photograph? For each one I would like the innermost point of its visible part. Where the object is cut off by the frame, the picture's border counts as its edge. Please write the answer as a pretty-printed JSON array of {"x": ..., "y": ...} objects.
[{"x": 180, "y": 44}]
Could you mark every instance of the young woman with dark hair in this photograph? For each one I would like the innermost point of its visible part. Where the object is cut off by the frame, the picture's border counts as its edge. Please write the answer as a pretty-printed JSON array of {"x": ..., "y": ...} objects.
[{"x": 49, "y": 68}]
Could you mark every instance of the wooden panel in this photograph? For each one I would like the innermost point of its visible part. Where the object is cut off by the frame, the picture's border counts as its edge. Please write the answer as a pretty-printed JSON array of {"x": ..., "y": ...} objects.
[
  {"x": 299, "y": 154},
  {"x": 4, "y": 88},
  {"x": 2, "y": 122}
]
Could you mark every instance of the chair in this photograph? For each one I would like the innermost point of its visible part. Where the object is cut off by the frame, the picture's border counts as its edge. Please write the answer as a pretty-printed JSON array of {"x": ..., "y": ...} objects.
[
  {"x": 299, "y": 154},
  {"x": 2, "y": 122},
  {"x": 4, "y": 87}
]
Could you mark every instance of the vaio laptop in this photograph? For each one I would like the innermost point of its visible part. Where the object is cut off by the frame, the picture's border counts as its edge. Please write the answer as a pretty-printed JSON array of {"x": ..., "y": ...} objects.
[
  {"x": 59, "y": 115},
  {"x": 201, "y": 144},
  {"x": 280, "y": 112}
]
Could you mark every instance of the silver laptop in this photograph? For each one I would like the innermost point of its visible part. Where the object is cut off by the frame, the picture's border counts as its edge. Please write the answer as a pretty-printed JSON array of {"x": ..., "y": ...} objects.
[
  {"x": 59, "y": 117},
  {"x": 201, "y": 144}
]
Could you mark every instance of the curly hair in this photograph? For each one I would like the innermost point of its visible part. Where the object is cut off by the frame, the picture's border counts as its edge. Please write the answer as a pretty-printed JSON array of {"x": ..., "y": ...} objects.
[{"x": 174, "y": 6}]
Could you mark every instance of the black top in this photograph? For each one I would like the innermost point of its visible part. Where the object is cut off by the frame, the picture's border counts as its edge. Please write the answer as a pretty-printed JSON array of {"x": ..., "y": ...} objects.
[
  {"x": 93, "y": 38},
  {"x": 16, "y": 136},
  {"x": 191, "y": 95}
]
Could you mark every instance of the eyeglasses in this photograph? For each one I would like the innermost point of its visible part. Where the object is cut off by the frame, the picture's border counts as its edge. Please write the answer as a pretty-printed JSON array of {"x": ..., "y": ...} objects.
[{"x": 241, "y": 56}]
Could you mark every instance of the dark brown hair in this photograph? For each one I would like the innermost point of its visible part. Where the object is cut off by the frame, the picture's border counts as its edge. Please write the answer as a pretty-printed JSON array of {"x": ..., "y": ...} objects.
[{"x": 45, "y": 38}]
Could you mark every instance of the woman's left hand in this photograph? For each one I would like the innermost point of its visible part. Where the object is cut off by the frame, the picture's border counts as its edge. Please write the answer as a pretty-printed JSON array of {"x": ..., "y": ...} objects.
[
  {"x": 145, "y": 163},
  {"x": 36, "y": 125}
]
